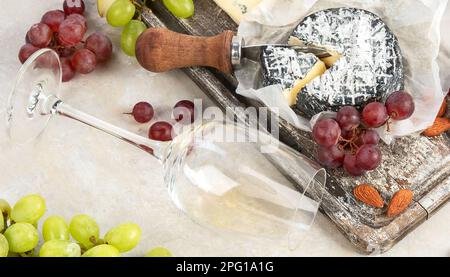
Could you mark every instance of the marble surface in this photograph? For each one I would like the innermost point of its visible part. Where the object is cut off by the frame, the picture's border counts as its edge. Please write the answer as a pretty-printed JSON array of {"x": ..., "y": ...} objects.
[{"x": 80, "y": 170}]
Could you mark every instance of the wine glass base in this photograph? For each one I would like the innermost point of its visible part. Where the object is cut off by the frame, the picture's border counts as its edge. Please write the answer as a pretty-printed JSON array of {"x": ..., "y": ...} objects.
[{"x": 31, "y": 101}]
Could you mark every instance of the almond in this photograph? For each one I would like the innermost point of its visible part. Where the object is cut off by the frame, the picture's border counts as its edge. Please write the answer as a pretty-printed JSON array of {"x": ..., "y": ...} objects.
[
  {"x": 439, "y": 126},
  {"x": 369, "y": 195},
  {"x": 443, "y": 108},
  {"x": 399, "y": 202}
]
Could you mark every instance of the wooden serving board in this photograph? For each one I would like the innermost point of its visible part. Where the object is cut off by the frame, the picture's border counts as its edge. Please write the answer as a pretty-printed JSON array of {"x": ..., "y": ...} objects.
[{"x": 417, "y": 163}]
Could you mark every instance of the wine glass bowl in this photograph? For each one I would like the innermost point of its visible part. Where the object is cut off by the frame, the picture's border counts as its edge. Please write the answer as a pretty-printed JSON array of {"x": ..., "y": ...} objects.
[{"x": 235, "y": 187}]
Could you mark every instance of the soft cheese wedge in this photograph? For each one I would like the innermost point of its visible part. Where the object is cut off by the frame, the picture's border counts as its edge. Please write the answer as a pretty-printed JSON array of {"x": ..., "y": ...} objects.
[
  {"x": 236, "y": 9},
  {"x": 291, "y": 94}
]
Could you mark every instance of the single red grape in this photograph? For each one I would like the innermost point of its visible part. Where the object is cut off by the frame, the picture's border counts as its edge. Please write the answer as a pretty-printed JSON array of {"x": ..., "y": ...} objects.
[
  {"x": 84, "y": 61},
  {"x": 368, "y": 156},
  {"x": 53, "y": 19},
  {"x": 184, "y": 108},
  {"x": 400, "y": 105},
  {"x": 351, "y": 167},
  {"x": 368, "y": 137},
  {"x": 78, "y": 18},
  {"x": 67, "y": 71},
  {"x": 331, "y": 157},
  {"x": 348, "y": 118},
  {"x": 374, "y": 115},
  {"x": 101, "y": 45},
  {"x": 161, "y": 131},
  {"x": 70, "y": 32},
  {"x": 143, "y": 112},
  {"x": 26, "y": 51},
  {"x": 40, "y": 35},
  {"x": 326, "y": 132},
  {"x": 73, "y": 6}
]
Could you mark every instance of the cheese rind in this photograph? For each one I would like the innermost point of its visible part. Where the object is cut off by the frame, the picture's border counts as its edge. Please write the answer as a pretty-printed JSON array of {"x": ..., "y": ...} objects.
[{"x": 237, "y": 9}]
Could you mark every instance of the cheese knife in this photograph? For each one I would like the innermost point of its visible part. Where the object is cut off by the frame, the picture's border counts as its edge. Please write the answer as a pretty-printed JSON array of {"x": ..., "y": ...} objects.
[{"x": 160, "y": 50}]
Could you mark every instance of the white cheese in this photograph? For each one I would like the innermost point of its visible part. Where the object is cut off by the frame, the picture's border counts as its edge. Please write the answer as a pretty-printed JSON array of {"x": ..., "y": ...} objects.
[{"x": 236, "y": 9}]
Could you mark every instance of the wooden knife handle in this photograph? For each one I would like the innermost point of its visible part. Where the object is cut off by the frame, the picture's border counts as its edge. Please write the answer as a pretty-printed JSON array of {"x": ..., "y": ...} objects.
[{"x": 159, "y": 50}]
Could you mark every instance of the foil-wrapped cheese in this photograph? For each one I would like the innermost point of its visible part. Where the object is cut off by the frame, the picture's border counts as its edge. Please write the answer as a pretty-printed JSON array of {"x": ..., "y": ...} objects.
[{"x": 368, "y": 68}]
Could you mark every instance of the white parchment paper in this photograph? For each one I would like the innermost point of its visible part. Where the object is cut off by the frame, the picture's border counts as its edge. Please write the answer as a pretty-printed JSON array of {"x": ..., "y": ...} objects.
[{"x": 417, "y": 25}]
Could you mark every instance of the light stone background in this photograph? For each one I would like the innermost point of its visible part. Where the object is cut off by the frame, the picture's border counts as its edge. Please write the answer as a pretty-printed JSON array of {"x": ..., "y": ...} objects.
[{"x": 80, "y": 170}]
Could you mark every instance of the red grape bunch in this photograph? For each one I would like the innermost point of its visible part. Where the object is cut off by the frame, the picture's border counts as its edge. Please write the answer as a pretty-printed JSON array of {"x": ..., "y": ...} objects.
[
  {"x": 63, "y": 31},
  {"x": 349, "y": 142}
]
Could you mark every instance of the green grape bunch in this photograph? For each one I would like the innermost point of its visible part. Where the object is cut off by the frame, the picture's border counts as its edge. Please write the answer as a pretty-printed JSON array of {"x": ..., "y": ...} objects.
[
  {"x": 19, "y": 236},
  {"x": 127, "y": 14}
]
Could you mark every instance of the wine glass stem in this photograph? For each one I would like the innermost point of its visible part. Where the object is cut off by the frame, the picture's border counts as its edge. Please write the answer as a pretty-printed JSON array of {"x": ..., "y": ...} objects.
[{"x": 156, "y": 148}]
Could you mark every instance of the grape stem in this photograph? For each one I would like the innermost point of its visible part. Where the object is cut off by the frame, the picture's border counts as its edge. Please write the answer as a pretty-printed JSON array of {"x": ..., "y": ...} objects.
[
  {"x": 26, "y": 254},
  {"x": 138, "y": 4},
  {"x": 345, "y": 143},
  {"x": 5, "y": 220},
  {"x": 141, "y": 6},
  {"x": 388, "y": 126}
]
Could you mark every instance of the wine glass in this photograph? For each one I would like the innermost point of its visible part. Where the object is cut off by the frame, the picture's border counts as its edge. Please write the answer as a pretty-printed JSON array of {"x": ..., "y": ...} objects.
[{"x": 225, "y": 185}]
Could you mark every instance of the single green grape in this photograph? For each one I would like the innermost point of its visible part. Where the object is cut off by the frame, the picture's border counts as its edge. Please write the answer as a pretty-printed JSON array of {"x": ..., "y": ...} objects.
[
  {"x": 158, "y": 252},
  {"x": 55, "y": 227},
  {"x": 22, "y": 237},
  {"x": 5, "y": 208},
  {"x": 60, "y": 248},
  {"x": 180, "y": 8},
  {"x": 129, "y": 36},
  {"x": 28, "y": 209},
  {"x": 4, "y": 246},
  {"x": 85, "y": 230},
  {"x": 124, "y": 237},
  {"x": 102, "y": 250},
  {"x": 120, "y": 13}
]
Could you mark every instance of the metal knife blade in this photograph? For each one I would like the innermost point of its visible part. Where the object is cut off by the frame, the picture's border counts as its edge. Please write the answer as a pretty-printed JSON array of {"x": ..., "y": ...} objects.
[{"x": 253, "y": 51}]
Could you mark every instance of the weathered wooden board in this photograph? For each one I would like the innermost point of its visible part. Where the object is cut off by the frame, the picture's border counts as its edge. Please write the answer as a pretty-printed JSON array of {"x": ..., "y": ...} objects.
[{"x": 418, "y": 163}]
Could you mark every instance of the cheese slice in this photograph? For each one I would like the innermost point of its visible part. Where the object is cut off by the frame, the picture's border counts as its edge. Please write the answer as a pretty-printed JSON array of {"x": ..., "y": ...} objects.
[
  {"x": 291, "y": 93},
  {"x": 236, "y": 9}
]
